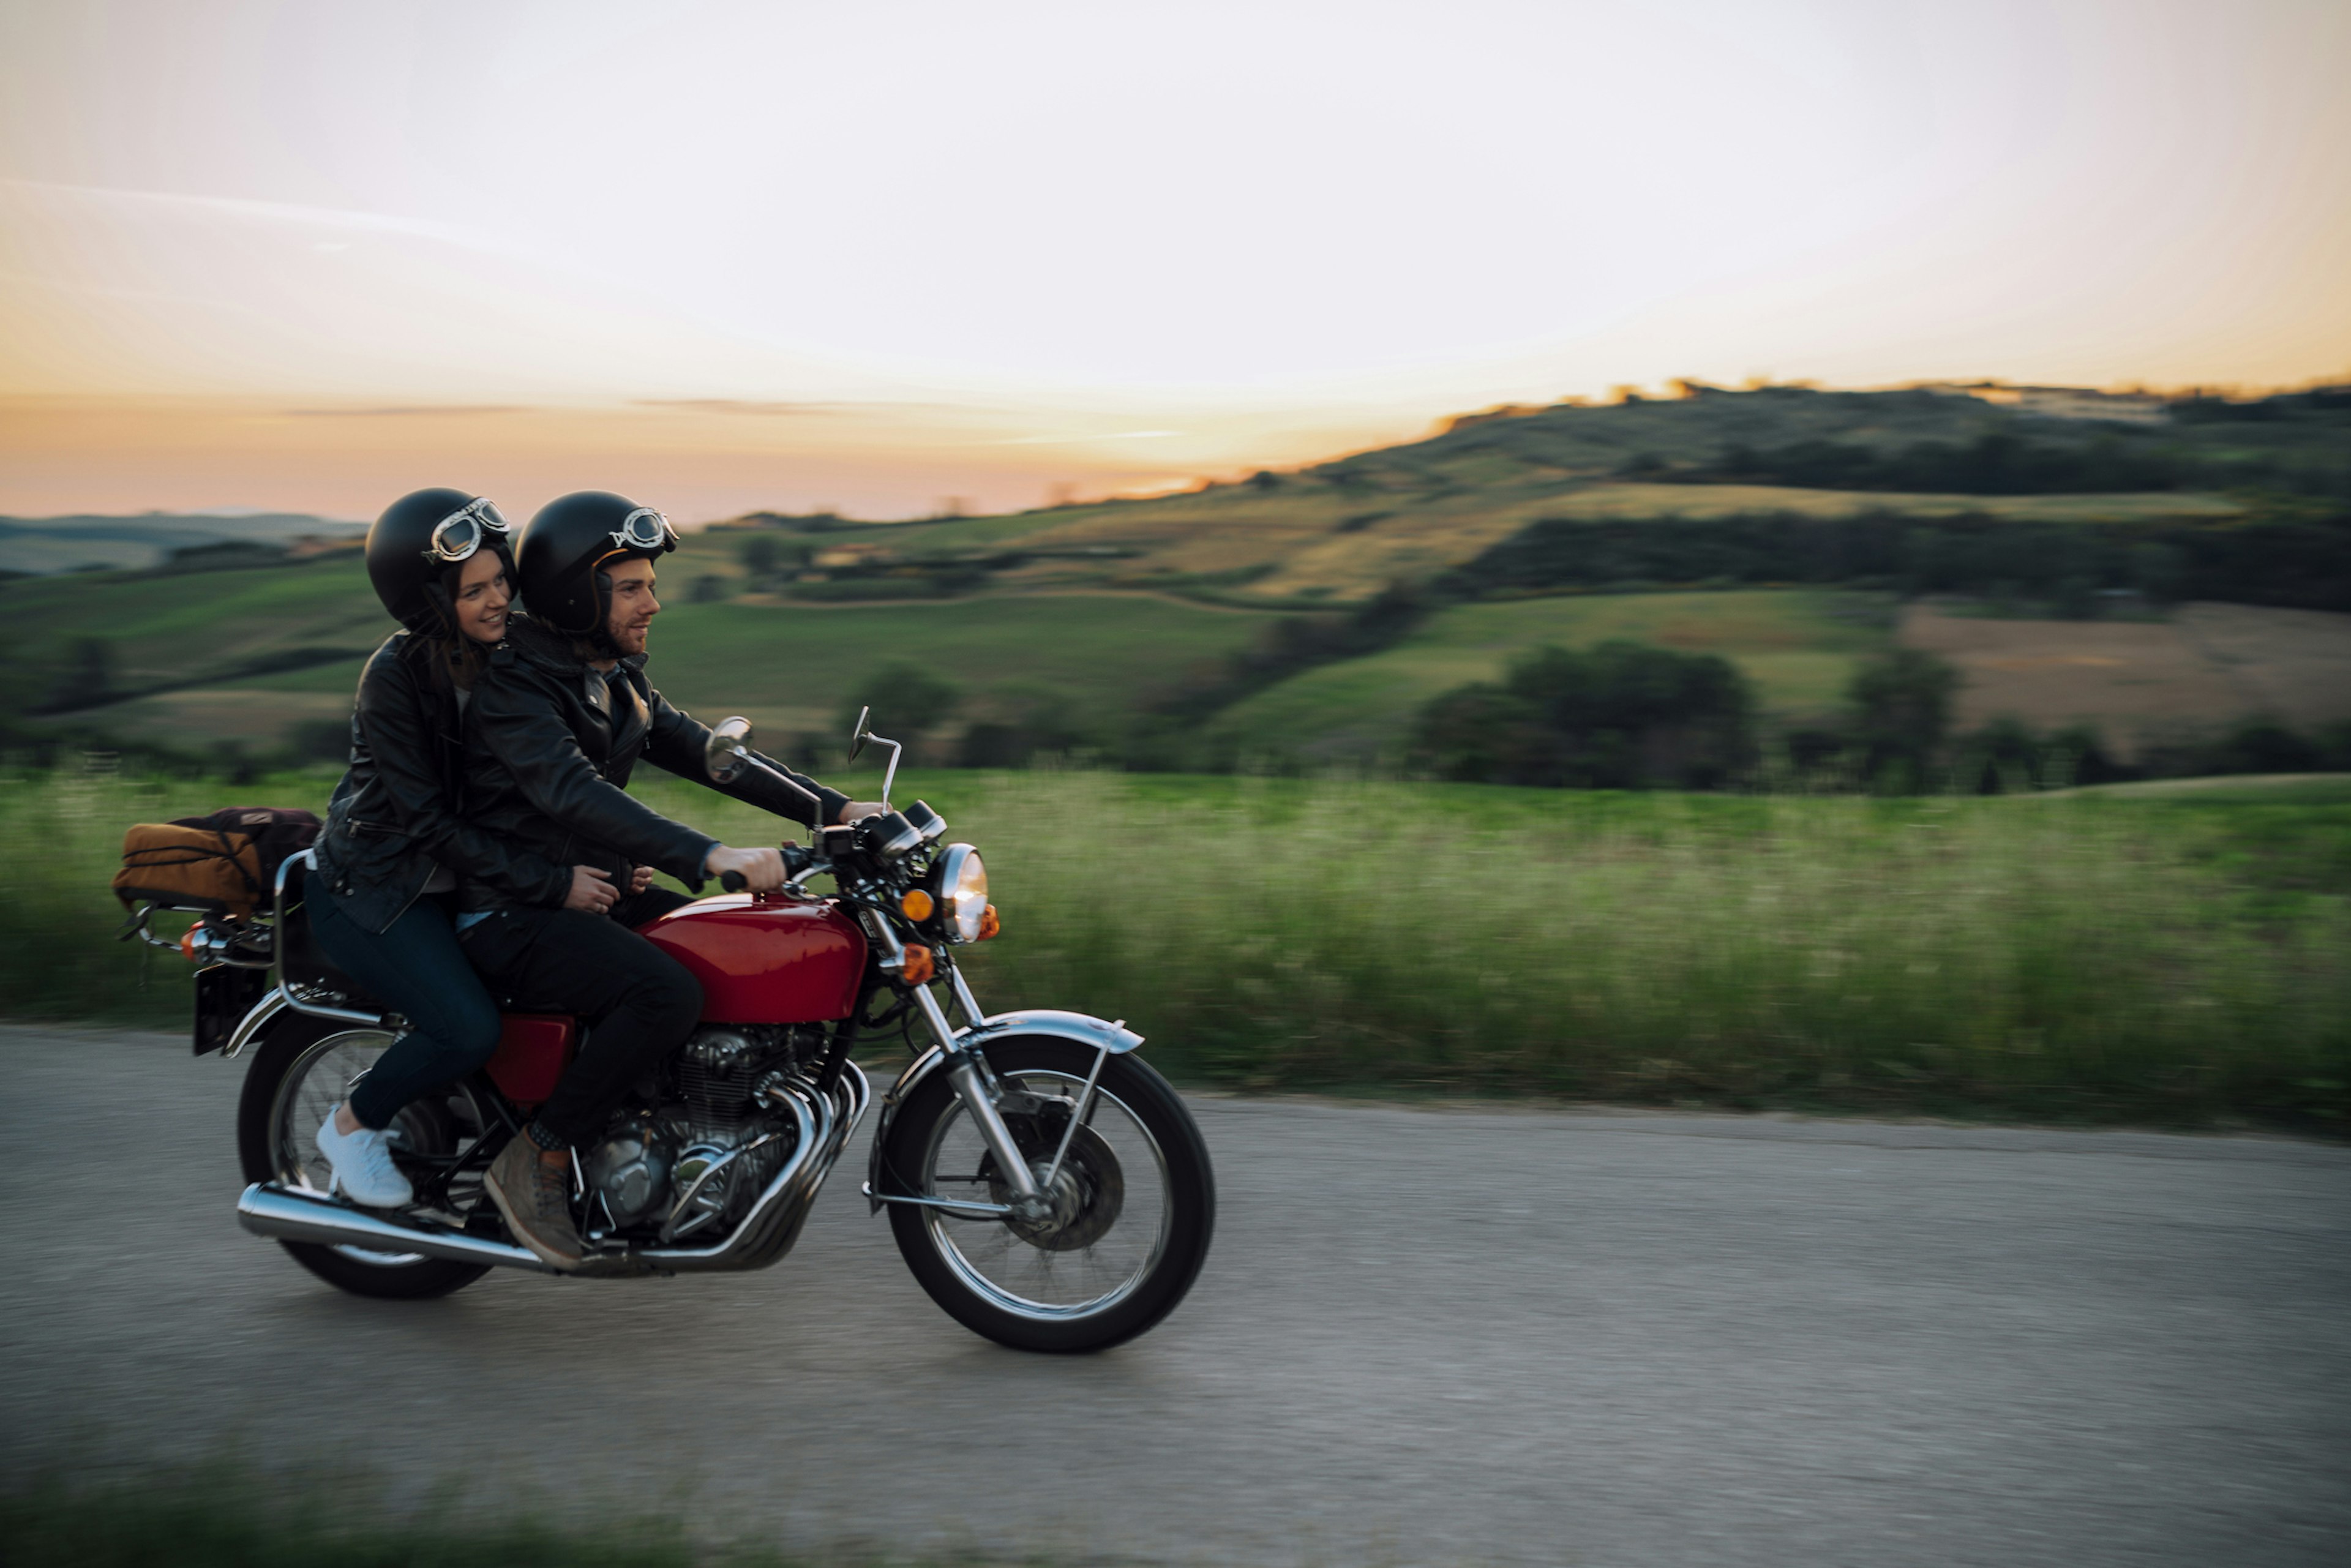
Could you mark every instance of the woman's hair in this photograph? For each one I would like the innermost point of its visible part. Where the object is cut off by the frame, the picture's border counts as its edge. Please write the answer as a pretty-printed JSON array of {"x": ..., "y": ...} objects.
[{"x": 455, "y": 660}]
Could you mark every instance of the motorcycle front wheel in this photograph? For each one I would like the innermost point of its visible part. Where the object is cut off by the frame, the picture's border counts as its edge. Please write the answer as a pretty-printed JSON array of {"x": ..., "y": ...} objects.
[
  {"x": 1134, "y": 1203},
  {"x": 306, "y": 1066}
]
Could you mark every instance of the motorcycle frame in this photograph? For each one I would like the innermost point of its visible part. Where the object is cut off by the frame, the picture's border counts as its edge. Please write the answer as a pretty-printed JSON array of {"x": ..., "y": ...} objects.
[
  {"x": 828, "y": 1112},
  {"x": 959, "y": 1052},
  {"x": 823, "y": 1121}
]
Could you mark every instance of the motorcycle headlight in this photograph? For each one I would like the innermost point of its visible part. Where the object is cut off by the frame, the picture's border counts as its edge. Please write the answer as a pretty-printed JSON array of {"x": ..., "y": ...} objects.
[{"x": 962, "y": 892}]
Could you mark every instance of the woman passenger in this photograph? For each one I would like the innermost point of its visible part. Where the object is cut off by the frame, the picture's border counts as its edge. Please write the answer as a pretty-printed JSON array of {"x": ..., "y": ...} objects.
[{"x": 377, "y": 893}]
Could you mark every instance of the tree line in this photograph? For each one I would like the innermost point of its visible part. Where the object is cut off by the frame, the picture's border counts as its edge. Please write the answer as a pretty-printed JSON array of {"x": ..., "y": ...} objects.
[
  {"x": 1997, "y": 463},
  {"x": 2303, "y": 564},
  {"x": 1625, "y": 715}
]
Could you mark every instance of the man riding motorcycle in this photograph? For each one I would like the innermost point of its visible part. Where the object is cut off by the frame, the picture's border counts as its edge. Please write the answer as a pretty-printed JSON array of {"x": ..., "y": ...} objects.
[{"x": 556, "y": 725}]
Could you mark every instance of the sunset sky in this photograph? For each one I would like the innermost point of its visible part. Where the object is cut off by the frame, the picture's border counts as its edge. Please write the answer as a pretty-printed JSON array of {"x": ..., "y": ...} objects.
[{"x": 725, "y": 255}]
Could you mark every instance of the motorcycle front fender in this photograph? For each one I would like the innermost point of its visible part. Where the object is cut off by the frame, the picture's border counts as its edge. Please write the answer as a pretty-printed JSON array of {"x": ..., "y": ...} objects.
[{"x": 1084, "y": 1029}]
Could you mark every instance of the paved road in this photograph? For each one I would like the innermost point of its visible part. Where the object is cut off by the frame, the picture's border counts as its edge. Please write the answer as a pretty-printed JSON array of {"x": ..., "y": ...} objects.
[{"x": 1423, "y": 1336}]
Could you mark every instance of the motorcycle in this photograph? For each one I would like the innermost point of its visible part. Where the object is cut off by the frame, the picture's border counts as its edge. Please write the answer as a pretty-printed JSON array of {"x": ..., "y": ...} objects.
[{"x": 1045, "y": 1186}]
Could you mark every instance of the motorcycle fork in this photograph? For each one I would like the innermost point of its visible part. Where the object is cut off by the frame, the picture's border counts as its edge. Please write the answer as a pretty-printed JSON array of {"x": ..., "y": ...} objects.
[
  {"x": 975, "y": 1084},
  {"x": 1077, "y": 1112}
]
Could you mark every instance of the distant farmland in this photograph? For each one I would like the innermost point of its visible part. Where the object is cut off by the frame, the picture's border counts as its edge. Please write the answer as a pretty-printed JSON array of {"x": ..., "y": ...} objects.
[
  {"x": 1782, "y": 528},
  {"x": 2206, "y": 665},
  {"x": 1798, "y": 647}
]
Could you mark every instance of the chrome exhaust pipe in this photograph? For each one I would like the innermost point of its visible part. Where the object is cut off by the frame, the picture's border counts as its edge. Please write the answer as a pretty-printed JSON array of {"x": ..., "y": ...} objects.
[
  {"x": 284, "y": 1214},
  {"x": 823, "y": 1124}
]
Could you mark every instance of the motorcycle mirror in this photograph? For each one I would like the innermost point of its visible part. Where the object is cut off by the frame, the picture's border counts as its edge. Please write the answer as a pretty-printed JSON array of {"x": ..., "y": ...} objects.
[
  {"x": 860, "y": 734},
  {"x": 724, "y": 756}
]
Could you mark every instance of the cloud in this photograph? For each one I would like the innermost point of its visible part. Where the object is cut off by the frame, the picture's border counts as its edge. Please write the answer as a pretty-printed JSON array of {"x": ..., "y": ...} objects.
[
  {"x": 734, "y": 405},
  {"x": 451, "y": 410},
  {"x": 1081, "y": 439},
  {"x": 291, "y": 215}
]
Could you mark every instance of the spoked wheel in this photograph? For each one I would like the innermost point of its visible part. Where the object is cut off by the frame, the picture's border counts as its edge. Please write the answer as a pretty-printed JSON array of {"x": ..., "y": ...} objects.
[
  {"x": 1132, "y": 1205},
  {"x": 305, "y": 1066}
]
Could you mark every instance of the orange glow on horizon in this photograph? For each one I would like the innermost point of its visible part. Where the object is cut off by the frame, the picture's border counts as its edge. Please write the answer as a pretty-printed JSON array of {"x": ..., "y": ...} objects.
[
  {"x": 128, "y": 455},
  {"x": 274, "y": 255}
]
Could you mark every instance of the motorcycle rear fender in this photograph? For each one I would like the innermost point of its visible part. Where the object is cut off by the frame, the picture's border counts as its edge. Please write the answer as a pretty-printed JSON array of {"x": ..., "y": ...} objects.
[
  {"x": 277, "y": 1001},
  {"x": 272, "y": 1003},
  {"x": 1100, "y": 1033}
]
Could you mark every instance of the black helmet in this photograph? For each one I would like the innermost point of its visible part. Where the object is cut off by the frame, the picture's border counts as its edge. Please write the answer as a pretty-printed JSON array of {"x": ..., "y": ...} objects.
[
  {"x": 564, "y": 547},
  {"x": 412, "y": 547}
]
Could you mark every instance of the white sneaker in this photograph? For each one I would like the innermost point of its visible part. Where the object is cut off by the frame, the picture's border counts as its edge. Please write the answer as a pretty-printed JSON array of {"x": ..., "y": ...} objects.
[{"x": 362, "y": 1165}]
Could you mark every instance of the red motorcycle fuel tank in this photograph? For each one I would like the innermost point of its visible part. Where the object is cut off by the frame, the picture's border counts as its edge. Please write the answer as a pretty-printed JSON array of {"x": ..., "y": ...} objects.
[{"x": 765, "y": 960}]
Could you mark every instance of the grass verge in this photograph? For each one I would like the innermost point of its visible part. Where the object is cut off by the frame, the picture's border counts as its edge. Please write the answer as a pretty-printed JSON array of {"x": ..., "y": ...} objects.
[
  {"x": 222, "y": 1516},
  {"x": 2089, "y": 958}
]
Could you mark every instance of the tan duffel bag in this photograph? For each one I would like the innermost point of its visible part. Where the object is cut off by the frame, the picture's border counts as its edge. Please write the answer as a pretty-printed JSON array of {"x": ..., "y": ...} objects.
[{"x": 226, "y": 864}]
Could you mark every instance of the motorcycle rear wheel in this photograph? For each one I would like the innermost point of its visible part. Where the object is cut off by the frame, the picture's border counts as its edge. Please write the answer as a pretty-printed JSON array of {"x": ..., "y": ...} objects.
[
  {"x": 305, "y": 1065},
  {"x": 1126, "y": 1242}
]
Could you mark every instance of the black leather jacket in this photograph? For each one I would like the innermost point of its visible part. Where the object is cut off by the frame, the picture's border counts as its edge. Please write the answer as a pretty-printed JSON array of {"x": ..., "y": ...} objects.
[
  {"x": 393, "y": 820},
  {"x": 550, "y": 741}
]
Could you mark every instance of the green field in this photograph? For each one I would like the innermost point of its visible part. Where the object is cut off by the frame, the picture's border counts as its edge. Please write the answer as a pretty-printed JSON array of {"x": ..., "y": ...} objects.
[
  {"x": 2259, "y": 789},
  {"x": 1798, "y": 647},
  {"x": 792, "y": 665},
  {"x": 788, "y": 666},
  {"x": 2088, "y": 957},
  {"x": 1092, "y": 657},
  {"x": 179, "y": 628}
]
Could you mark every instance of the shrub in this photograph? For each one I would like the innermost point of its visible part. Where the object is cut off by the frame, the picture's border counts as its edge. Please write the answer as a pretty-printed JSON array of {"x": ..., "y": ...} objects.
[
  {"x": 1902, "y": 704},
  {"x": 907, "y": 699},
  {"x": 1620, "y": 715}
]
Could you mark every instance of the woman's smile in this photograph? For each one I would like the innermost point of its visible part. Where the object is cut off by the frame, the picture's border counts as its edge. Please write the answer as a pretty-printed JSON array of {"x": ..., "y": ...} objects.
[{"x": 481, "y": 598}]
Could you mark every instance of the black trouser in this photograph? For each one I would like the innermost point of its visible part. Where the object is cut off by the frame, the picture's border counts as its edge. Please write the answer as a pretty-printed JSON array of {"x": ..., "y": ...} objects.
[
  {"x": 638, "y": 1003},
  {"x": 415, "y": 965}
]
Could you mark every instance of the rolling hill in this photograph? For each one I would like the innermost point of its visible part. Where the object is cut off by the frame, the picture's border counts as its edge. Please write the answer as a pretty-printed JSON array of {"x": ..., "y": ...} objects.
[
  {"x": 1774, "y": 527},
  {"x": 39, "y": 546}
]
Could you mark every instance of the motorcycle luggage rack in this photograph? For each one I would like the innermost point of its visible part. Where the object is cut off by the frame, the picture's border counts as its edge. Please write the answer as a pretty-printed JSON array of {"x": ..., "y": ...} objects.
[
  {"x": 246, "y": 946},
  {"x": 304, "y": 979}
]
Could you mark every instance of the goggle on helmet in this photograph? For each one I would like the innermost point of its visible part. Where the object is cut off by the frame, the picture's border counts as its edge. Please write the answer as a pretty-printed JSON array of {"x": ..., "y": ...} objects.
[
  {"x": 644, "y": 530},
  {"x": 456, "y": 537}
]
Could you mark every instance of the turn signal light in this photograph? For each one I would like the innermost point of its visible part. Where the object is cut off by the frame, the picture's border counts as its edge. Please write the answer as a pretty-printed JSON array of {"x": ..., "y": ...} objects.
[
  {"x": 918, "y": 904},
  {"x": 920, "y": 968},
  {"x": 188, "y": 942},
  {"x": 988, "y": 924}
]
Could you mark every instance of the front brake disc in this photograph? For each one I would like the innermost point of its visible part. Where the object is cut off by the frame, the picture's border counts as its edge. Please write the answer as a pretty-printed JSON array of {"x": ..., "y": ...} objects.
[{"x": 1087, "y": 1196}]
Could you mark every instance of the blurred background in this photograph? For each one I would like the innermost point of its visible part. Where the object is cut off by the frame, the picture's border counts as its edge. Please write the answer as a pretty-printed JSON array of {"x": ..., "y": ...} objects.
[
  {"x": 1738, "y": 554},
  {"x": 1216, "y": 390},
  {"x": 1706, "y": 406}
]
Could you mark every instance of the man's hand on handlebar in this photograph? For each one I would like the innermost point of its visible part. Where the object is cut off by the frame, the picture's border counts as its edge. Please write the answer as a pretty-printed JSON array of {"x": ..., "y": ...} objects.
[
  {"x": 762, "y": 871},
  {"x": 593, "y": 892},
  {"x": 855, "y": 810}
]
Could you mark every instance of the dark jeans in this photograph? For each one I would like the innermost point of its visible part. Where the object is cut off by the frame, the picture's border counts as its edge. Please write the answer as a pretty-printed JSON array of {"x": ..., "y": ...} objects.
[
  {"x": 415, "y": 967},
  {"x": 639, "y": 1003}
]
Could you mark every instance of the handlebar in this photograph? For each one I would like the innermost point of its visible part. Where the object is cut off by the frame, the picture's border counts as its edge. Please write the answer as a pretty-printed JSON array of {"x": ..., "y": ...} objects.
[{"x": 798, "y": 861}]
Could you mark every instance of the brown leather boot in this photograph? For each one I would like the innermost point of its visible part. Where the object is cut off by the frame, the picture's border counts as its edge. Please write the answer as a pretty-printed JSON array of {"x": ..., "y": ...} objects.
[{"x": 532, "y": 1187}]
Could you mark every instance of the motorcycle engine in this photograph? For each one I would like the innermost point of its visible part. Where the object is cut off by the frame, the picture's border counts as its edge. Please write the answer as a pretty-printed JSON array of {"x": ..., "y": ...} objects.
[
  {"x": 629, "y": 1170},
  {"x": 698, "y": 1163}
]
